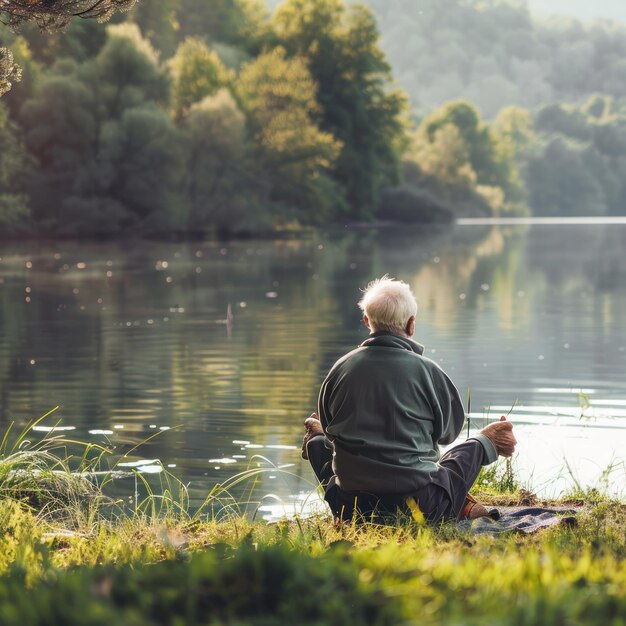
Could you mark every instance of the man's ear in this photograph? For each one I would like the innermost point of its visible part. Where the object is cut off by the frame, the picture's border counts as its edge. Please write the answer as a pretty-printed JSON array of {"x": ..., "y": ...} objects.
[
  {"x": 366, "y": 321},
  {"x": 410, "y": 326}
]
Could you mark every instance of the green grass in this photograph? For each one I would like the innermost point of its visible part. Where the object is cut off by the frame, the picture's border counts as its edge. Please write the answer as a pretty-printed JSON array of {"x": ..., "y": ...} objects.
[
  {"x": 140, "y": 571},
  {"x": 159, "y": 563},
  {"x": 44, "y": 475},
  {"x": 174, "y": 569}
]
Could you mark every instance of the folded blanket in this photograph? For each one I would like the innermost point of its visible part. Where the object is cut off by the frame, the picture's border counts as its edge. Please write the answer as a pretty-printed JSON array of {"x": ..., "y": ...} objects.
[{"x": 524, "y": 520}]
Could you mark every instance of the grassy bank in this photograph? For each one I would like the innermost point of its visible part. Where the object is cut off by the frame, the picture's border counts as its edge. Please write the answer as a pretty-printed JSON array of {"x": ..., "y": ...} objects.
[
  {"x": 74, "y": 563},
  {"x": 174, "y": 571}
]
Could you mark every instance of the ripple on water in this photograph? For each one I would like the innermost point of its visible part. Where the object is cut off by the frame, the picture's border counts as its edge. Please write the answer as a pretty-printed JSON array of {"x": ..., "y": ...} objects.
[{"x": 247, "y": 383}]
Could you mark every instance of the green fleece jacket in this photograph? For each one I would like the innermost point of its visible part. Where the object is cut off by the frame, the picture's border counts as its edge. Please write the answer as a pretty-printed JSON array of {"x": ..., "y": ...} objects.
[{"x": 386, "y": 408}]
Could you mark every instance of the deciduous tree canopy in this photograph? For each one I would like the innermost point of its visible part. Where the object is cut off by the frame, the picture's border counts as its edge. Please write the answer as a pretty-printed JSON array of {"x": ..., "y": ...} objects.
[
  {"x": 52, "y": 14},
  {"x": 217, "y": 117},
  {"x": 358, "y": 103},
  {"x": 196, "y": 72},
  {"x": 9, "y": 72},
  {"x": 14, "y": 164},
  {"x": 496, "y": 53},
  {"x": 48, "y": 15}
]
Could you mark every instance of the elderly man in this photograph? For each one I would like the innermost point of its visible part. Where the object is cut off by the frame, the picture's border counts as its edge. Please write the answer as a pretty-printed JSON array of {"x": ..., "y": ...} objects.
[{"x": 384, "y": 408}]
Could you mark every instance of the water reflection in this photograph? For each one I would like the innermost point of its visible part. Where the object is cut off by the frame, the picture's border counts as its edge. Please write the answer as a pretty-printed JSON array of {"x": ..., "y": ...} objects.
[{"x": 226, "y": 344}]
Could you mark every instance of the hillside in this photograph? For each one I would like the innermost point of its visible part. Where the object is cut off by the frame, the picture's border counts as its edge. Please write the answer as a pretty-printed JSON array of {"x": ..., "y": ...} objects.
[{"x": 496, "y": 53}]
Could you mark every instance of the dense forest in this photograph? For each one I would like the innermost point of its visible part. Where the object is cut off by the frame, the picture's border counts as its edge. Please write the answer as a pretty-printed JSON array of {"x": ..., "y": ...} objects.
[
  {"x": 495, "y": 54},
  {"x": 224, "y": 118}
]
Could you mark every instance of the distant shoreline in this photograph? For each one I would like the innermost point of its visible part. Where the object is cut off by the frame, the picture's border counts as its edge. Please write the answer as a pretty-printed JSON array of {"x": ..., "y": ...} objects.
[
  {"x": 556, "y": 221},
  {"x": 307, "y": 231}
]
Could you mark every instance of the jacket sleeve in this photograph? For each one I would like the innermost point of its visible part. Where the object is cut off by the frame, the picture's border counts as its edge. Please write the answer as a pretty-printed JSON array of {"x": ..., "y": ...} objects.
[
  {"x": 323, "y": 403},
  {"x": 452, "y": 416},
  {"x": 327, "y": 390},
  {"x": 451, "y": 413}
]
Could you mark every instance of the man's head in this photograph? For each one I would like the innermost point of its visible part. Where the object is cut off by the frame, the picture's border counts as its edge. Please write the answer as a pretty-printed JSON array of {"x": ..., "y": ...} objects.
[{"x": 389, "y": 304}]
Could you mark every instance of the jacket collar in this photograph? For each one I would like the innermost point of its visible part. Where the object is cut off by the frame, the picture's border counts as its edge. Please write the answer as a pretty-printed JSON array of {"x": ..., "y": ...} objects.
[{"x": 385, "y": 339}]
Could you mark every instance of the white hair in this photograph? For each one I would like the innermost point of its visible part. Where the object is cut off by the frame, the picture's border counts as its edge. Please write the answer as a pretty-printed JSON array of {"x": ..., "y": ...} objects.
[{"x": 388, "y": 304}]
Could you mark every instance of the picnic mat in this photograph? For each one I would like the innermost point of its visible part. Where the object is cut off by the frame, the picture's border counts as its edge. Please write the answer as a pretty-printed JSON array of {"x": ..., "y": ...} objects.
[{"x": 525, "y": 520}]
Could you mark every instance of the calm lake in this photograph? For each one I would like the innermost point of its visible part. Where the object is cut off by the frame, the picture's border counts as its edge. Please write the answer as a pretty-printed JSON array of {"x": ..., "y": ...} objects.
[{"x": 219, "y": 349}]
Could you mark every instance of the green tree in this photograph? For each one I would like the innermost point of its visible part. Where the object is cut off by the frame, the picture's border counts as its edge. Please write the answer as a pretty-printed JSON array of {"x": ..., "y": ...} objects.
[
  {"x": 599, "y": 107},
  {"x": 61, "y": 129},
  {"x": 131, "y": 186},
  {"x": 358, "y": 104},
  {"x": 279, "y": 95},
  {"x": 442, "y": 167},
  {"x": 515, "y": 136},
  {"x": 139, "y": 168},
  {"x": 562, "y": 179},
  {"x": 158, "y": 22},
  {"x": 465, "y": 161},
  {"x": 243, "y": 23},
  {"x": 126, "y": 73},
  {"x": 222, "y": 191},
  {"x": 497, "y": 53},
  {"x": 108, "y": 157},
  {"x": 14, "y": 171},
  {"x": 489, "y": 159},
  {"x": 514, "y": 125},
  {"x": 81, "y": 40},
  {"x": 196, "y": 72},
  {"x": 576, "y": 163},
  {"x": 9, "y": 71},
  {"x": 563, "y": 120},
  {"x": 445, "y": 158},
  {"x": 49, "y": 15},
  {"x": 31, "y": 75},
  {"x": 475, "y": 135}
]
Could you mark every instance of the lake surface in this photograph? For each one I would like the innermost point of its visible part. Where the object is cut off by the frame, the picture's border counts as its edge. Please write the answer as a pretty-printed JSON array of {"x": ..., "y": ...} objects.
[{"x": 221, "y": 348}]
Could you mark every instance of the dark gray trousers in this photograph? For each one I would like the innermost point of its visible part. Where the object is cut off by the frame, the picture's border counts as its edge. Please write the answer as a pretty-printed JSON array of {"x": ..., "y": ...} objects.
[{"x": 442, "y": 499}]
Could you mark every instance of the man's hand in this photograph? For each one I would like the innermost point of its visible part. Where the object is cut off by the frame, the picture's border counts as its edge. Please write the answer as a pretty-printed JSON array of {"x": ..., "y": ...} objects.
[
  {"x": 312, "y": 428},
  {"x": 501, "y": 435}
]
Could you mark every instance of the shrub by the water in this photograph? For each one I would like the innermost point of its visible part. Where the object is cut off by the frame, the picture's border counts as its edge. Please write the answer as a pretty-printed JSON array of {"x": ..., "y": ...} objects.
[{"x": 411, "y": 205}]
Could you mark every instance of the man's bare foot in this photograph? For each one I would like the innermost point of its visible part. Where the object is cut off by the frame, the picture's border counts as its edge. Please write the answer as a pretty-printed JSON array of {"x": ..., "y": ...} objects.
[
  {"x": 501, "y": 435},
  {"x": 312, "y": 427}
]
